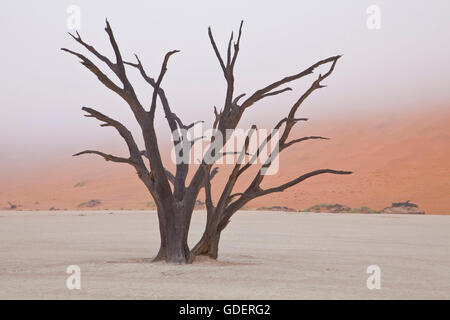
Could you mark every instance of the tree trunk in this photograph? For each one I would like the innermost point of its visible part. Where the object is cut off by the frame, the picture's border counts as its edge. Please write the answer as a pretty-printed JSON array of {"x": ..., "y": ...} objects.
[
  {"x": 174, "y": 228},
  {"x": 209, "y": 243},
  {"x": 174, "y": 247},
  {"x": 177, "y": 248},
  {"x": 162, "y": 253}
]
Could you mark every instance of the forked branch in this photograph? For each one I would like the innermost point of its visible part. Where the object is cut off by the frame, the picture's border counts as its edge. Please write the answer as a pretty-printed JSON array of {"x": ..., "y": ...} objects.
[{"x": 107, "y": 157}]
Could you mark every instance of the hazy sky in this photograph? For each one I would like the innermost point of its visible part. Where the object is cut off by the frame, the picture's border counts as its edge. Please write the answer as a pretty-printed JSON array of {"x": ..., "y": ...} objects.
[{"x": 405, "y": 64}]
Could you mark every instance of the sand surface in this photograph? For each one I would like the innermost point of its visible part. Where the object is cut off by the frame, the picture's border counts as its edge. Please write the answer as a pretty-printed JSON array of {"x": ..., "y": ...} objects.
[{"x": 263, "y": 255}]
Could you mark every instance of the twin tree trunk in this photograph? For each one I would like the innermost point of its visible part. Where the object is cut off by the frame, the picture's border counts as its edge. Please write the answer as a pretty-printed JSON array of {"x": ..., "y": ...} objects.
[
  {"x": 174, "y": 233},
  {"x": 209, "y": 243},
  {"x": 173, "y": 197},
  {"x": 173, "y": 229}
]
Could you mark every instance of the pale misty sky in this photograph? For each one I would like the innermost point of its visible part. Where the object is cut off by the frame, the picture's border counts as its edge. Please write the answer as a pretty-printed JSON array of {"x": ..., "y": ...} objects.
[{"x": 405, "y": 64}]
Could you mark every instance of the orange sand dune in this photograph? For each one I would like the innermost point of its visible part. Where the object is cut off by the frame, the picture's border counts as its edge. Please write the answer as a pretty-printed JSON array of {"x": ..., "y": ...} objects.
[{"x": 394, "y": 158}]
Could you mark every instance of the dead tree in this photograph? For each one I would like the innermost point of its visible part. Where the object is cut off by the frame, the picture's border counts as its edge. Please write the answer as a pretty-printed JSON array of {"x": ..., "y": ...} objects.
[{"x": 174, "y": 198}]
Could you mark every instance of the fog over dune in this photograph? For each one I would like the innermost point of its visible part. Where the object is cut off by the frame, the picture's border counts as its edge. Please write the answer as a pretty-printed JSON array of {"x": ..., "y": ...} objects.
[
  {"x": 404, "y": 65},
  {"x": 396, "y": 158},
  {"x": 385, "y": 106}
]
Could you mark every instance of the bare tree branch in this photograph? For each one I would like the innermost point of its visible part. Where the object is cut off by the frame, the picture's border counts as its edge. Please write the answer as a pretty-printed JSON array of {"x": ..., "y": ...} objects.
[
  {"x": 229, "y": 49},
  {"x": 298, "y": 180},
  {"x": 119, "y": 61},
  {"x": 236, "y": 45},
  {"x": 169, "y": 174},
  {"x": 173, "y": 121},
  {"x": 218, "y": 116},
  {"x": 273, "y": 93},
  {"x": 100, "y": 75},
  {"x": 216, "y": 51},
  {"x": 107, "y": 157},
  {"x": 247, "y": 196},
  {"x": 94, "y": 51},
  {"x": 123, "y": 131},
  {"x": 236, "y": 100},
  {"x": 225, "y": 196},
  {"x": 127, "y": 92},
  {"x": 158, "y": 82},
  {"x": 135, "y": 158},
  {"x": 288, "y": 144},
  {"x": 257, "y": 95},
  {"x": 208, "y": 196},
  {"x": 213, "y": 173},
  {"x": 228, "y": 71},
  {"x": 254, "y": 189}
]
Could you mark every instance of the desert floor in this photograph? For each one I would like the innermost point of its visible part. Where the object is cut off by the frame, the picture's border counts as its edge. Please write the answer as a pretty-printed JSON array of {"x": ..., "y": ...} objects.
[{"x": 263, "y": 255}]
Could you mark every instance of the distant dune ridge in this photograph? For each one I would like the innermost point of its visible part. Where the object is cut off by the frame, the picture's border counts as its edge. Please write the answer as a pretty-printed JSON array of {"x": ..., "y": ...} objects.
[{"x": 395, "y": 158}]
